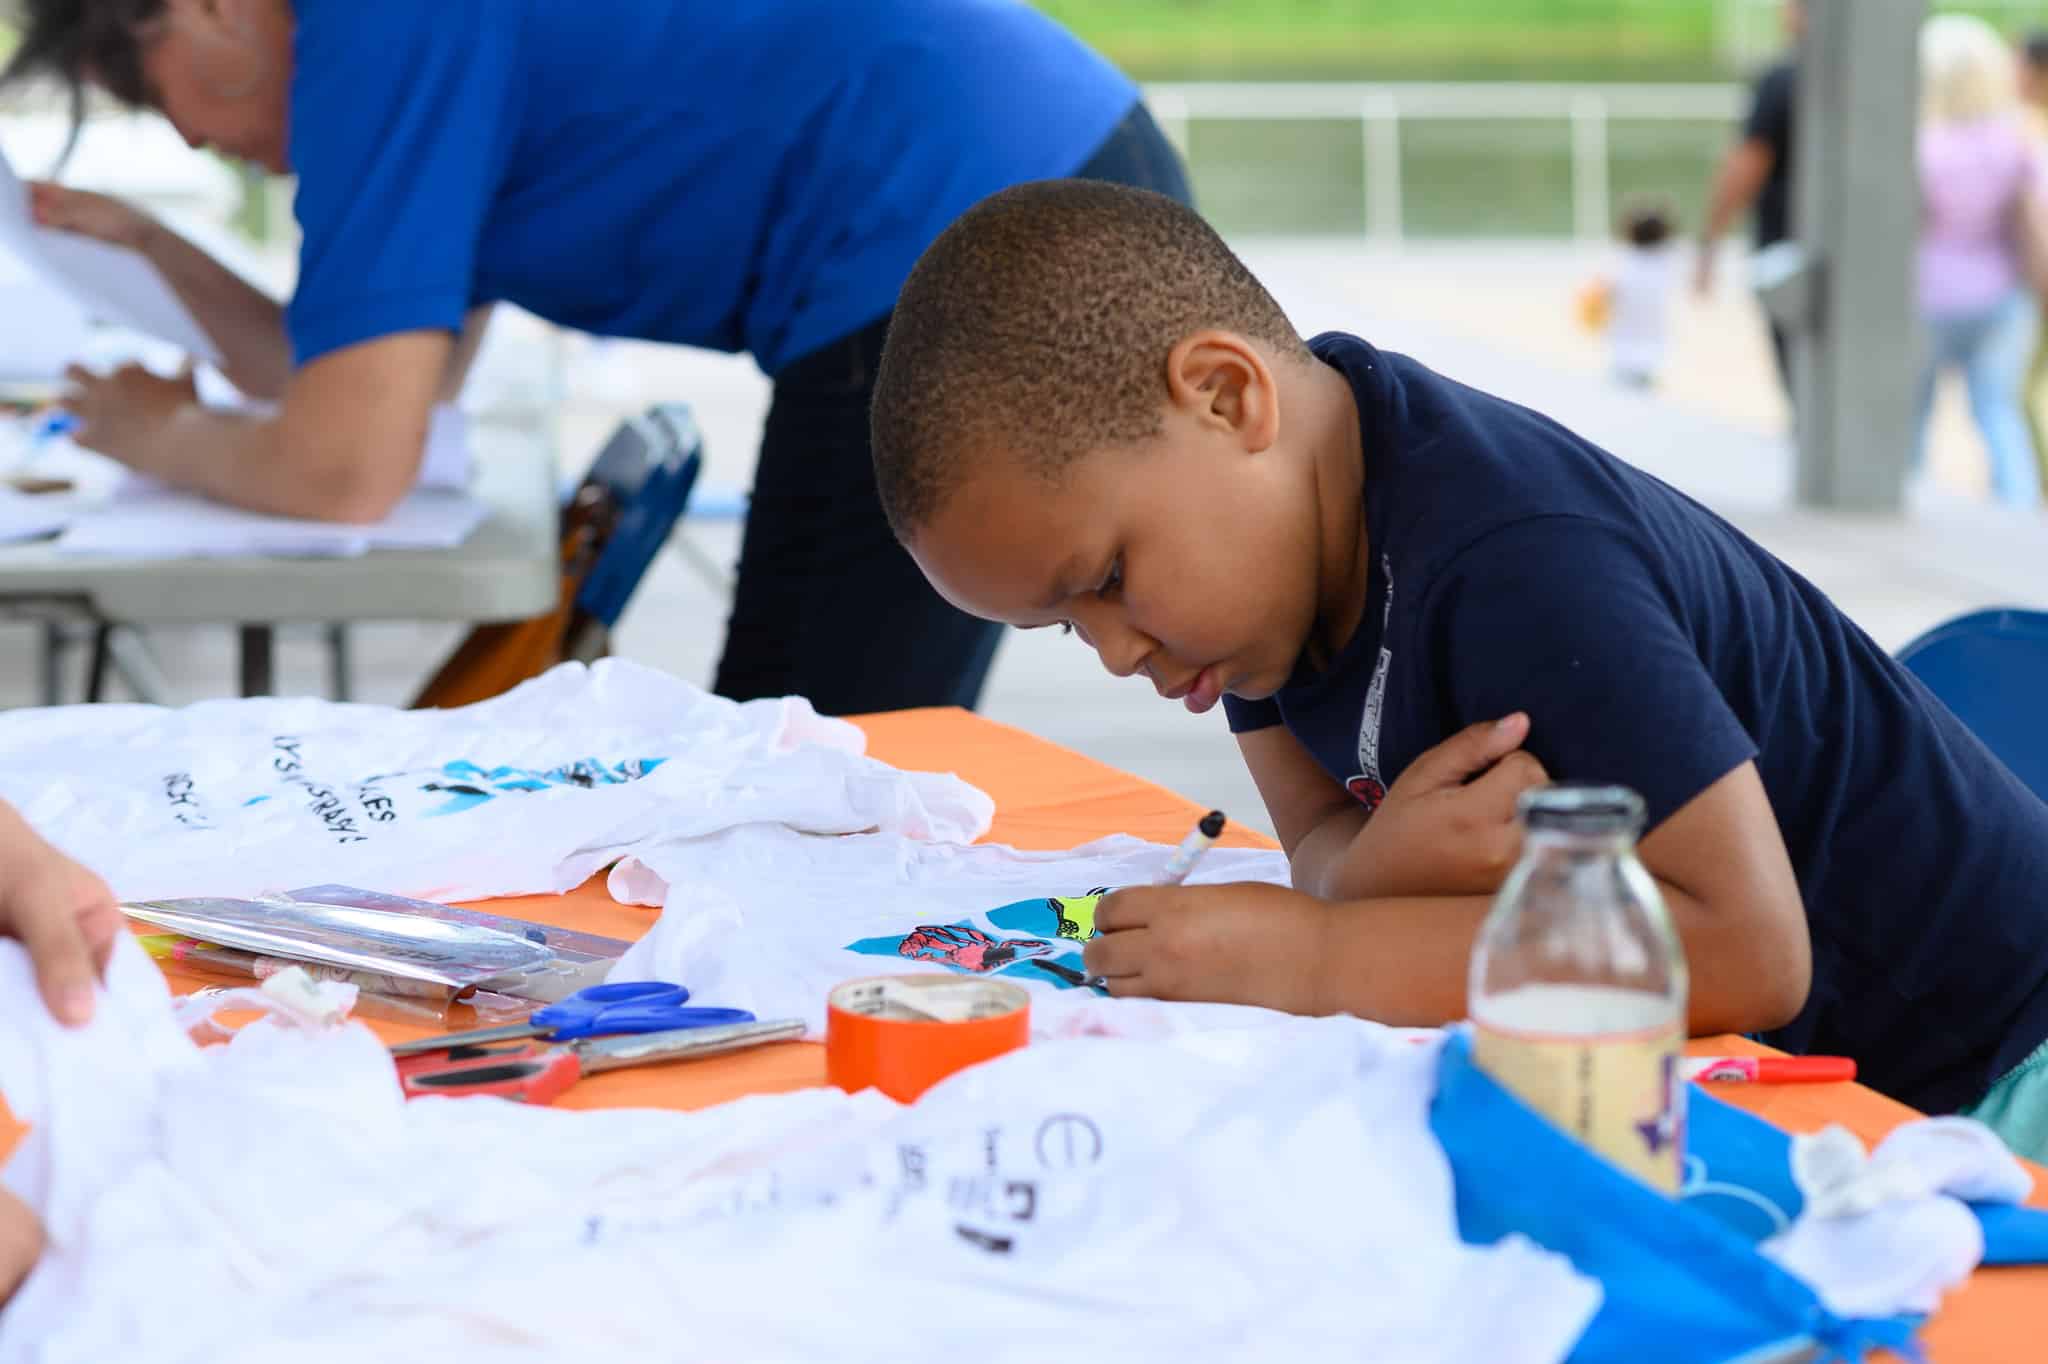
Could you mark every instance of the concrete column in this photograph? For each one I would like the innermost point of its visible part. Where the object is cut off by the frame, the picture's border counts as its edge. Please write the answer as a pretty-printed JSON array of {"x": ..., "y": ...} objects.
[{"x": 1855, "y": 213}]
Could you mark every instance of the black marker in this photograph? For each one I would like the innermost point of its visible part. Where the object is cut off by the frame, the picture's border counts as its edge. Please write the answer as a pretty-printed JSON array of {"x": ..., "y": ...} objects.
[{"x": 1191, "y": 849}]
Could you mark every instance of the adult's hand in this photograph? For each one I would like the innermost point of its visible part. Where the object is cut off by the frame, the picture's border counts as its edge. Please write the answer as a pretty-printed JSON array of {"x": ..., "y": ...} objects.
[
  {"x": 99, "y": 216},
  {"x": 125, "y": 414},
  {"x": 63, "y": 914},
  {"x": 21, "y": 1243}
]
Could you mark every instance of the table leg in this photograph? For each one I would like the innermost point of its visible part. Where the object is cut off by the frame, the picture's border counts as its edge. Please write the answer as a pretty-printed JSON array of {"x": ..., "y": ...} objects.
[
  {"x": 338, "y": 668},
  {"x": 102, "y": 656},
  {"x": 137, "y": 667},
  {"x": 258, "y": 647},
  {"x": 52, "y": 661}
]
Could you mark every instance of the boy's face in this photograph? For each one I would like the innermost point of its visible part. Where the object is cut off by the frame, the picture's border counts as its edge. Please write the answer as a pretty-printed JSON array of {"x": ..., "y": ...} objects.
[{"x": 1190, "y": 557}]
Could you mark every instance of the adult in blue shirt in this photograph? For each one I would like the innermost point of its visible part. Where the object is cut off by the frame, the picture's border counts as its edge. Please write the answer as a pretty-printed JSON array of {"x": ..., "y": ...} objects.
[{"x": 753, "y": 177}]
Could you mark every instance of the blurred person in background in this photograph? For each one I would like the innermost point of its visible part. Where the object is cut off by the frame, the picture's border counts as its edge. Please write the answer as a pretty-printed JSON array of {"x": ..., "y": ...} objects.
[
  {"x": 1757, "y": 173},
  {"x": 1981, "y": 218},
  {"x": 1639, "y": 325},
  {"x": 2033, "y": 57},
  {"x": 740, "y": 177}
]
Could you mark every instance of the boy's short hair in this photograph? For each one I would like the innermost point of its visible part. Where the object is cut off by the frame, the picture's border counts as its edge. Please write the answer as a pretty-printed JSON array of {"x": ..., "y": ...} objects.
[
  {"x": 1039, "y": 324},
  {"x": 1647, "y": 220},
  {"x": 2034, "y": 48}
]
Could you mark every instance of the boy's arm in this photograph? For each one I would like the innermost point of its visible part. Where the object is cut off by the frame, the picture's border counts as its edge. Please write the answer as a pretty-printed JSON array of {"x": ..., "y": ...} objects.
[
  {"x": 1446, "y": 827},
  {"x": 1314, "y": 818},
  {"x": 1719, "y": 862}
]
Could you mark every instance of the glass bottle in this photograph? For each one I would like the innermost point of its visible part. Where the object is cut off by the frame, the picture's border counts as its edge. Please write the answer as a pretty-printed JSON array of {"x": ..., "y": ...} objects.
[{"x": 1578, "y": 983}]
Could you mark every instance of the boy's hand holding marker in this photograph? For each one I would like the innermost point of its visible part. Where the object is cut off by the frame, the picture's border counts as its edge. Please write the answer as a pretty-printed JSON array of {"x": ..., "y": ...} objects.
[{"x": 1240, "y": 944}]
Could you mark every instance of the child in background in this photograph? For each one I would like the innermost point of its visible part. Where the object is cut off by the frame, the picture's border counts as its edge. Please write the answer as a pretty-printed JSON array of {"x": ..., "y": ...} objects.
[
  {"x": 1416, "y": 600},
  {"x": 1634, "y": 307}
]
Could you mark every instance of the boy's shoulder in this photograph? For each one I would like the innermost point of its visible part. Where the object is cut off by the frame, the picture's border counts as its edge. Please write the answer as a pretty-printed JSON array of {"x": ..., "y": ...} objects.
[{"x": 1450, "y": 468}]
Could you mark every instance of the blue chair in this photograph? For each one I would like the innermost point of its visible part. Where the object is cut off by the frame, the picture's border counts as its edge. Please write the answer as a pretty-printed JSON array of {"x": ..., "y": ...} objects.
[
  {"x": 1991, "y": 669},
  {"x": 614, "y": 524},
  {"x": 642, "y": 480}
]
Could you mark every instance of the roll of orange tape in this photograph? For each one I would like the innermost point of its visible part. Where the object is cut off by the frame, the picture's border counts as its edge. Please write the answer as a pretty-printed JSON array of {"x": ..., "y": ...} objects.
[{"x": 904, "y": 1034}]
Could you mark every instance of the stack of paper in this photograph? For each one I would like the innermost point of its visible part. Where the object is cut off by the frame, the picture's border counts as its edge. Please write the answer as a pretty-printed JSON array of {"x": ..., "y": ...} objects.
[
  {"x": 112, "y": 283},
  {"x": 31, "y": 518},
  {"x": 165, "y": 524}
]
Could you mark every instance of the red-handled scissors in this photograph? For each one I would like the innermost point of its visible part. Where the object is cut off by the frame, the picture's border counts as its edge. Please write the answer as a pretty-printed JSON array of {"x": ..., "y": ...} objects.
[{"x": 540, "y": 1075}]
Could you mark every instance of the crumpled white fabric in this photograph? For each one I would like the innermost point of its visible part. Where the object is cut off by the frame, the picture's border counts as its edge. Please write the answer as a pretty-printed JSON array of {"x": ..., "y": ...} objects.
[
  {"x": 529, "y": 792},
  {"x": 1888, "y": 1232},
  {"x": 760, "y": 917},
  {"x": 1261, "y": 1193}
]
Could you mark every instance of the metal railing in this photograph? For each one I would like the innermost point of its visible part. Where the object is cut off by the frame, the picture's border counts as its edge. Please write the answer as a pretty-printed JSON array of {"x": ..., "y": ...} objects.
[{"x": 1382, "y": 108}]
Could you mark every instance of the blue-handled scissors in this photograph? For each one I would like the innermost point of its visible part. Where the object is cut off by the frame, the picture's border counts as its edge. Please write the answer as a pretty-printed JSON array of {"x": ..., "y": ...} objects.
[{"x": 601, "y": 1010}]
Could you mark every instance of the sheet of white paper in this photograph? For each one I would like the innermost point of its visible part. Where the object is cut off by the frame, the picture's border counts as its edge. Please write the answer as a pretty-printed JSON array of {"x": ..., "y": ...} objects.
[
  {"x": 30, "y": 518},
  {"x": 113, "y": 283},
  {"x": 164, "y": 524},
  {"x": 445, "y": 462},
  {"x": 41, "y": 328}
]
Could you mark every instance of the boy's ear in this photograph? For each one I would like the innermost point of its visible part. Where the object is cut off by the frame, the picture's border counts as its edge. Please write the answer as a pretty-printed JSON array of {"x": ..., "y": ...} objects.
[{"x": 1221, "y": 381}]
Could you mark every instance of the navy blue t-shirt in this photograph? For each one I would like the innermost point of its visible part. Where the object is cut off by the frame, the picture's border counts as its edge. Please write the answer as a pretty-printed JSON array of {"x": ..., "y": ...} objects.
[
  {"x": 1516, "y": 566},
  {"x": 738, "y": 175}
]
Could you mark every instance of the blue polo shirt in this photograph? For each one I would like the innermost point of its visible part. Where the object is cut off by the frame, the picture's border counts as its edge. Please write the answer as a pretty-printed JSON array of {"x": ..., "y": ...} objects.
[
  {"x": 1515, "y": 566},
  {"x": 753, "y": 175}
]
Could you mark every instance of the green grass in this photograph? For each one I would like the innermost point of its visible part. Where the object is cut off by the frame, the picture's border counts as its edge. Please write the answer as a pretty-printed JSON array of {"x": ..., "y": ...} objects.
[
  {"x": 1393, "y": 39},
  {"x": 1459, "y": 178},
  {"x": 1636, "y": 40}
]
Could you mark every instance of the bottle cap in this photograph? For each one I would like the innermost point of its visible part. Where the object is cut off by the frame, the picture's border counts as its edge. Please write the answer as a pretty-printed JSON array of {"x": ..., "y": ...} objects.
[{"x": 1567, "y": 808}]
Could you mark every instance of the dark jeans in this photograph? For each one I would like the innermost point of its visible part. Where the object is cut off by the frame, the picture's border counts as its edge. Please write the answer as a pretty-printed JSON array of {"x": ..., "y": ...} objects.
[
  {"x": 1781, "y": 347},
  {"x": 828, "y": 605}
]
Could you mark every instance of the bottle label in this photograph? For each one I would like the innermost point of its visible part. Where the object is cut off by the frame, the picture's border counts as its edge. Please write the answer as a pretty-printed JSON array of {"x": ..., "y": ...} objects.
[{"x": 1619, "y": 1093}]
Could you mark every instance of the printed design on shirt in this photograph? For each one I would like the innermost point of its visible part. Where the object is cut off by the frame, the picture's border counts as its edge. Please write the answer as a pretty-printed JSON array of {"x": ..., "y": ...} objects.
[
  {"x": 1076, "y": 913},
  {"x": 466, "y": 785},
  {"x": 1368, "y": 788},
  {"x": 1028, "y": 938},
  {"x": 350, "y": 810}
]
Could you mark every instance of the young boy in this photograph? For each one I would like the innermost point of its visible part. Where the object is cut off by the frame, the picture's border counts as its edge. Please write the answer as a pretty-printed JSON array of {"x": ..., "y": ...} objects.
[{"x": 1414, "y": 600}]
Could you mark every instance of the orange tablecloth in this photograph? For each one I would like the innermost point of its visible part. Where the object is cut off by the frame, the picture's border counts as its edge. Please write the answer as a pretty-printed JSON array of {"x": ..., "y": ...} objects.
[{"x": 1049, "y": 797}]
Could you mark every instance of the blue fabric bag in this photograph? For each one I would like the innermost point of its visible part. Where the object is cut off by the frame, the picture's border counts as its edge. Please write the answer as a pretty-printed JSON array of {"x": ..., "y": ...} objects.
[
  {"x": 1684, "y": 1282},
  {"x": 1746, "y": 1182}
]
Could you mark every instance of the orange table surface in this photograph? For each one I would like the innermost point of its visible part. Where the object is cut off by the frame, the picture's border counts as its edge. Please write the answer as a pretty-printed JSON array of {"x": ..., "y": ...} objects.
[{"x": 1052, "y": 798}]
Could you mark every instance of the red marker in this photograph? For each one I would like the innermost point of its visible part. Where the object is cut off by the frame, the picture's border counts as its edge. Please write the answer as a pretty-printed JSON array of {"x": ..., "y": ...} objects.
[{"x": 1771, "y": 1070}]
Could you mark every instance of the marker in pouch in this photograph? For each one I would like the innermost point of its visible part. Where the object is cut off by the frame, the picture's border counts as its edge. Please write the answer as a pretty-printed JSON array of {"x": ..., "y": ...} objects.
[{"x": 52, "y": 424}]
